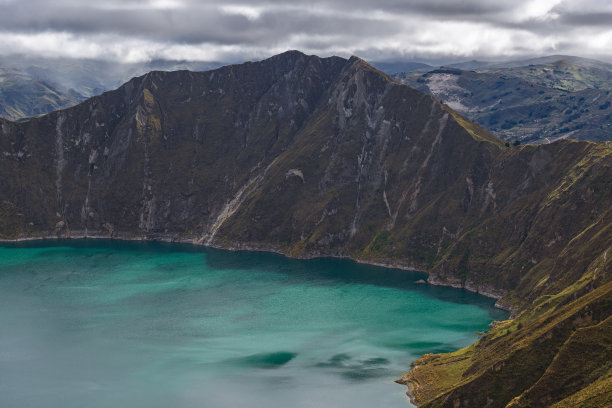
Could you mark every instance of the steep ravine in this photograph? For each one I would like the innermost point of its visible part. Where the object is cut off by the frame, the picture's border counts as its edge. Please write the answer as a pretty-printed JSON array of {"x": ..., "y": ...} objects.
[{"x": 327, "y": 157}]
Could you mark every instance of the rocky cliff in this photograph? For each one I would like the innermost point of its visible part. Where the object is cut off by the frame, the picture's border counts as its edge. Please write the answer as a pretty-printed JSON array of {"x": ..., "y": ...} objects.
[{"x": 312, "y": 157}]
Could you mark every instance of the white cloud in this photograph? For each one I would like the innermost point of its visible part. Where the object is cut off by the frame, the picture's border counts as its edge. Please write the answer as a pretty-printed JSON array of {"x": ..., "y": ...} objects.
[
  {"x": 138, "y": 5},
  {"x": 252, "y": 13},
  {"x": 538, "y": 9}
]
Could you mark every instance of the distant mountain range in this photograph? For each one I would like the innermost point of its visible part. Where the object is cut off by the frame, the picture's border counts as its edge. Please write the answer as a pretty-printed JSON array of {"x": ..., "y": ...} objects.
[
  {"x": 528, "y": 103},
  {"x": 23, "y": 96},
  {"x": 475, "y": 65},
  {"x": 394, "y": 67},
  {"x": 308, "y": 157}
]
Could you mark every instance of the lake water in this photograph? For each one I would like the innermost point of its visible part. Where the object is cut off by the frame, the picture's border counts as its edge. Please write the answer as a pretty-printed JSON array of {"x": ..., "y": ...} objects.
[{"x": 125, "y": 324}]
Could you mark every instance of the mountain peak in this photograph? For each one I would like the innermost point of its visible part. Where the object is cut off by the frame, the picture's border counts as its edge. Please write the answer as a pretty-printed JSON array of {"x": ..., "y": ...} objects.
[
  {"x": 290, "y": 57},
  {"x": 358, "y": 64},
  {"x": 356, "y": 61},
  {"x": 290, "y": 54}
]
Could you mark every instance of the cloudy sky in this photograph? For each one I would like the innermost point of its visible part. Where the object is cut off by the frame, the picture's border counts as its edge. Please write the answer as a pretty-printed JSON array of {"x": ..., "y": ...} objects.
[{"x": 235, "y": 30}]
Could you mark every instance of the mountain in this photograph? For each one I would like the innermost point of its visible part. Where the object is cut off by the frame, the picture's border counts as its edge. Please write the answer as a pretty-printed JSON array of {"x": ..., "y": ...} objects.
[
  {"x": 330, "y": 157},
  {"x": 539, "y": 103},
  {"x": 23, "y": 96}
]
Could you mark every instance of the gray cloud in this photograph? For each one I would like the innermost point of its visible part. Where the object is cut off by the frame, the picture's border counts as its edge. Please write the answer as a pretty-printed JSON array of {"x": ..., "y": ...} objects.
[
  {"x": 240, "y": 29},
  {"x": 193, "y": 24},
  {"x": 588, "y": 19}
]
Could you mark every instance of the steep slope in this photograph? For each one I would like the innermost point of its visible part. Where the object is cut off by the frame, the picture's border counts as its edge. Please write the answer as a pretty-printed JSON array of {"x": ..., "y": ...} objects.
[
  {"x": 22, "y": 96},
  {"x": 312, "y": 157}
]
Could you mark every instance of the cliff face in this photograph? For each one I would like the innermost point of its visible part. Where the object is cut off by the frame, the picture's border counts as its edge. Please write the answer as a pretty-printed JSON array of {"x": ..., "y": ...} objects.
[{"x": 310, "y": 156}]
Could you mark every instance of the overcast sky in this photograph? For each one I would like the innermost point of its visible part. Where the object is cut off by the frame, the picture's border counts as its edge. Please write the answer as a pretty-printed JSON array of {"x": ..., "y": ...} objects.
[{"x": 236, "y": 30}]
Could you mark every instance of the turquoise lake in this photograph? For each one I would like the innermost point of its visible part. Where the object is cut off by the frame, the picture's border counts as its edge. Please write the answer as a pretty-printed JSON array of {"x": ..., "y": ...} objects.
[{"x": 91, "y": 323}]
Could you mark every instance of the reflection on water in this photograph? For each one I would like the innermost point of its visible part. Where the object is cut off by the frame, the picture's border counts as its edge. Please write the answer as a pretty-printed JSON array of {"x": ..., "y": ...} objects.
[{"x": 107, "y": 323}]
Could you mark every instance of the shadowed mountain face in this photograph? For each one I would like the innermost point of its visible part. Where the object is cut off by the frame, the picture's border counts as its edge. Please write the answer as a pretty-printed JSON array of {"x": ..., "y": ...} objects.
[
  {"x": 308, "y": 157},
  {"x": 184, "y": 153}
]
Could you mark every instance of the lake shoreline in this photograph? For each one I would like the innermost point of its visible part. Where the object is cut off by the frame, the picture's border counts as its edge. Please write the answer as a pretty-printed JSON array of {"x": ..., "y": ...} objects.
[{"x": 251, "y": 247}]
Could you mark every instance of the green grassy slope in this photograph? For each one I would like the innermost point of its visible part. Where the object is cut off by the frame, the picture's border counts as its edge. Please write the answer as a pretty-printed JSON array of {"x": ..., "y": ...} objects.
[{"x": 545, "y": 357}]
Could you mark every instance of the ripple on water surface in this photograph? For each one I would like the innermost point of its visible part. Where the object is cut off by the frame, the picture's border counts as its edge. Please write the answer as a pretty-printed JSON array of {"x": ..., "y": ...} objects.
[{"x": 107, "y": 323}]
